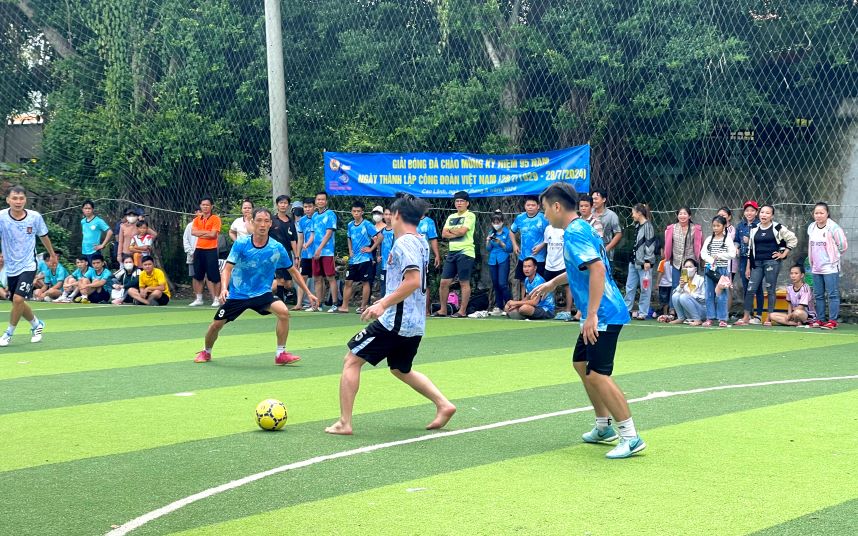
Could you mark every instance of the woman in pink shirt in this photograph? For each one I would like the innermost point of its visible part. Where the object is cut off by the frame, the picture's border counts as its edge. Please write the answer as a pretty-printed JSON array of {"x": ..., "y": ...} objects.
[
  {"x": 800, "y": 308},
  {"x": 682, "y": 240},
  {"x": 826, "y": 243}
]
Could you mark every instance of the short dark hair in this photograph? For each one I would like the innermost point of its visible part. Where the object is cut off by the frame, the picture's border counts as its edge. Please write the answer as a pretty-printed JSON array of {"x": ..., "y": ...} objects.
[
  {"x": 207, "y": 198},
  {"x": 798, "y": 265},
  {"x": 531, "y": 198},
  {"x": 308, "y": 201},
  {"x": 601, "y": 192},
  {"x": 96, "y": 257},
  {"x": 726, "y": 210},
  {"x": 248, "y": 200},
  {"x": 89, "y": 202},
  {"x": 358, "y": 204},
  {"x": 531, "y": 259},
  {"x": 411, "y": 209},
  {"x": 147, "y": 258},
  {"x": 283, "y": 197},
  {"x": 82, "y": 257},
  {"x": 259, "y": 210},
  {"x": 561, "y": 192},
  {"x": 587, "y": 198},
  {"x": 17, "y": 189},
  {"x": 692, "y": 260},
  {"x": 461, "y": 194},
  {"x": 141, "y": 223},
  {"x": 321, "y": 192}
]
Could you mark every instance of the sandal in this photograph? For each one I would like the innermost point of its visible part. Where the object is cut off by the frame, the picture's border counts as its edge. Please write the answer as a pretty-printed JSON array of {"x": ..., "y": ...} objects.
[
  {"x": 436, "y": 315},
  {"x": 360, "y": 310},
  {"x": 457, "y": 315},
  {"x": 740, "y": 322},
  {"x": 707, "y": 324},
  {"x": 723, "y": 324},
  {"x": 767, "y": 324}
]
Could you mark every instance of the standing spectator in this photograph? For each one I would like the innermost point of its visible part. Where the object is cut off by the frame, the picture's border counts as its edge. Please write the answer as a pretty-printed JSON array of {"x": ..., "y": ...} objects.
[
  {"x": 555, "y": 266},
  {"x": 530, "y": 226},
  {"x": 641, "y": 262},
  {"x": 362, "y": 242},
  {"x": 689, "y": 298},
  {"x": 826, "y": 243},
  {"x": 324, "y": 269},
  {"x": 284, "y": 231},
  {"x": 428, "y": 230},
  {"x": 189, "y": 244},
  {"x": 242, "y": 226},
  {"x": 727, "y": 214},
  {"x": 717, "y": 253},
  {"x": 665, "y": 286},
  {"x": 95, "y": 284},
  {"x": 92, "y": 229},
  {"x": 499, "y": 246},
  {"x": 682, "y": 240},
  {"x": 206, "y": 227},
  {"x": 585, "y": 208},
  {"x": 18, "y": 231},
  {"x": 770, "y": 244},
  {"x": 459, "y": 230},
  {"x": 386, "y": 246},
  {"x": 750, "y": 220},
  {"x": 800, "y": 308},
  {"x": 126, "y": 230},
  {"x": 532, "y": 307},
  {"x": 53, "y": 275},
  {"x": 612, "y": 231},
  {"x": 127, "y": 277},
  {"x": 153, "y": 287},
  {"x": 377, "y": 222},
  {"x": 304, "y": 228},
  {"x": 141, "y": 243},
  {"x": 4, "y": 280}
]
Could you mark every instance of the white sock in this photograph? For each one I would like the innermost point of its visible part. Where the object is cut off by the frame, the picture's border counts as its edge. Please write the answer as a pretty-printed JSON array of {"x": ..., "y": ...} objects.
[
  {"x": 602, "y": 423},
  {"x": 10, "y": 330},
  {"x": 280, "y": 350},
  {"x": 627, "y": 429},
  {"x": 199, "y": 297},
  {"x": 208, "y": 350},
  {"x": 34, "y": 322}
]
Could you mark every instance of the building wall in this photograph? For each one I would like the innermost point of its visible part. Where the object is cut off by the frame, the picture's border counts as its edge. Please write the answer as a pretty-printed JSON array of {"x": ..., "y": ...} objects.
[{"x": 21, "y": 143}]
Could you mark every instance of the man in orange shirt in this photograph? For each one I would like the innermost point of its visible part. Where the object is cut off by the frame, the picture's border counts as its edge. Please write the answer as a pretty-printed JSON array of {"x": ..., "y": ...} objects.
[{"x": 206, "y": 228}]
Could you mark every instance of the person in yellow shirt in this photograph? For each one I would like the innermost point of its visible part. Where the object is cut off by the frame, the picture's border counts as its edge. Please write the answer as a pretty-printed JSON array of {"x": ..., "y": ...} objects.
[
  {"x": 154, "y": 289},
  {"x": 459, "y": 232}
]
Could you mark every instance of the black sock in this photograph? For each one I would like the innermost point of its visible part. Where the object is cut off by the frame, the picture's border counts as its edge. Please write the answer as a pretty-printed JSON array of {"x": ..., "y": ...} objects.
[{"x": 281, "y": 292}]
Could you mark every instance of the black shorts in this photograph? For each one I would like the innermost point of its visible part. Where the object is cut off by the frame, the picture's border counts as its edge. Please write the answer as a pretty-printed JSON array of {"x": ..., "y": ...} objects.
[
  {"x": 163, "y": 299},
  {"x": 519, "y": 270},
  {"x": 664, "y": 295},
  {"x": 307, "y": 268},
  {"x": 99, "y": 296},
  {"x": 550, "y": 274},
  {"x": 599, "y": 356},
  {"x": 282, "y": 273},
  {"x": 21, "y": 284},
  {"x": 541, "y": 314},
  {"x": 458, "y": 264},
  {"x": 206, "y": 266},
  {"x": 363, "y": 272},
  {"x": 232, "y": 309},
  {"x": 375, "y": 343}
]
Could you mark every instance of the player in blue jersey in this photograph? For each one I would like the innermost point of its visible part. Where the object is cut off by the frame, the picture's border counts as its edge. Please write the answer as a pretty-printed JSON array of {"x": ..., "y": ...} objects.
[
  {"x": 387, "y": 238},
  {"x": 428, "y": 230},
  {"x": 400, "y": 324},
  {"x": 530, "y": 227},
  {"x": 18, "y": 231},
  {"x": 247, "y": 276},
  {"x": 304, "y": 226},
  {"x": 362, "y": 240},
  {"x": 588, "y": 273},
  {"x": 324, "y": 268}
]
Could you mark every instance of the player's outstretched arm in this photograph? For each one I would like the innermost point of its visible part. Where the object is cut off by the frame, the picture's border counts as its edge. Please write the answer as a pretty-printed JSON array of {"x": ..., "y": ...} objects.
[
  {"x": 410, "y": 283},
  {"x": 46, "y": 241},
  {"x": 549, "y": 286}
]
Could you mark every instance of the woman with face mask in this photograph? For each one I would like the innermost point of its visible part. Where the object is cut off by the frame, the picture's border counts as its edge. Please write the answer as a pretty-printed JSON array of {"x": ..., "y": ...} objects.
[
  {"x": 126, "y": 277},
  {"x": 689, "y": 298},
  {"x": 127, "y": 230},
  {"x": 499, "y": 246}
]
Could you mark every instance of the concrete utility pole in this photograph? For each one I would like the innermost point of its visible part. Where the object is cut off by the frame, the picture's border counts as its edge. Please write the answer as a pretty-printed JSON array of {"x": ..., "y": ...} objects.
[{"x": 277, "y": 100}]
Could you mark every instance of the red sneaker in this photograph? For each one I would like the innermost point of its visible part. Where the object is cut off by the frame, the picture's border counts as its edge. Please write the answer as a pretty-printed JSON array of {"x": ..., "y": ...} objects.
[
  {"x": 285, "y": 358},
  {"x": 203, "y": 357},
  {"x": 831, "y": 324},
  {"x": 815, "y": 324}
]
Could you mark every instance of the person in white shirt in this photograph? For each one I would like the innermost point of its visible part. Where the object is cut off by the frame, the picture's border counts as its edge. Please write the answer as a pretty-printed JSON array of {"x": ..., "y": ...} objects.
[
  {"x": 189, "y": 243},
  {"x": 689, "y": 297},
  {"x": 554, "y": 265},
  {"x": 242, "y": 226}
]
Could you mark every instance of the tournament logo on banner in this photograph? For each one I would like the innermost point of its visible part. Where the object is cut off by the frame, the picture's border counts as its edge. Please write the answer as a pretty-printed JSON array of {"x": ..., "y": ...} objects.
[{"x": 443, "y": 174}]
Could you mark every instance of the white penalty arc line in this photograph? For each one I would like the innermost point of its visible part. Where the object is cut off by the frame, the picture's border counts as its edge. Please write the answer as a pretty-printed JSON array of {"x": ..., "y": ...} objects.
[{"x": 181, "y": 503}]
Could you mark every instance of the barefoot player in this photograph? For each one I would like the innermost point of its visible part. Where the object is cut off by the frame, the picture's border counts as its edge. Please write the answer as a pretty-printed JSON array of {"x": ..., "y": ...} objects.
[
  {"x": 247, "y": 275},
  {"x": 401, "y": 321}
]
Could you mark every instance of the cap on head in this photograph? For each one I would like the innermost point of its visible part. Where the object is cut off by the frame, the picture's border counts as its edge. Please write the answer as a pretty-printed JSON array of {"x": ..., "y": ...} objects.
[
  {"x": 462, "y": 195},
  {"x": 378, "y": 208},
  {"x": 751, "y": 203}
]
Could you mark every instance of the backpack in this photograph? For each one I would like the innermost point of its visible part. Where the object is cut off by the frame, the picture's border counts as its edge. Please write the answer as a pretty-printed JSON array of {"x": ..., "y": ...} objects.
[{"x": 479, "y": 301}]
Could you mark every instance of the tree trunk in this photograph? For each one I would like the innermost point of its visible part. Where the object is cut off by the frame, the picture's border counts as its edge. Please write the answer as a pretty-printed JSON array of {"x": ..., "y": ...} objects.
[{"x": 60, "y": 44}]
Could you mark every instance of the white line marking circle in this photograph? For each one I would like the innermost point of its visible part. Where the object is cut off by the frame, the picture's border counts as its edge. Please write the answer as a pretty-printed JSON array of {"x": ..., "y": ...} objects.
[{"x": 181, "y": 503}]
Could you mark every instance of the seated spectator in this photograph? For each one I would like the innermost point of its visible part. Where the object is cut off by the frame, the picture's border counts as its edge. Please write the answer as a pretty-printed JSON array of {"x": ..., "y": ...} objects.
[
  {"x": 800, "y": 306},
  {"x": 531, "y": 308},
  {"x": 153, "y": 288},
  {"x": 72, "y": 282},
  {"x": 53, "y": 274},
  {"x": 689, "y": 297},
  {"x": 123, "y": 279},
  {"x": 4, "y": 280},
  {"x": 141, "y": 243},
  {"x": 94, "y": 284}
]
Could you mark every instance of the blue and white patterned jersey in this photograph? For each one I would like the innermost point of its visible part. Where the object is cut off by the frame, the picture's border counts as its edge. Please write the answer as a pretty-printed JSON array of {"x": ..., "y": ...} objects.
[
  {"x": 387, "y": 238},
  {"x": 547, "y": 302},
  {"x": 254, "y": 267},
  {"x": 322, "y": 221},
  {"x": 408, "y": 317},
  {"x": 361, "y": 235},
  {"x": 427, "y": 228},
  {"x": 531, "y": 231},
  {"x": 581, "y": 247},
  {"x": 18, "y": 240},
  {"x": 305, "y": 228}
]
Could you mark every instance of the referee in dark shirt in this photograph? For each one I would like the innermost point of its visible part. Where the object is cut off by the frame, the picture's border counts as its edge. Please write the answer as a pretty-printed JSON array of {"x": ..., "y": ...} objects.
[{"x": 283, "y": 230}]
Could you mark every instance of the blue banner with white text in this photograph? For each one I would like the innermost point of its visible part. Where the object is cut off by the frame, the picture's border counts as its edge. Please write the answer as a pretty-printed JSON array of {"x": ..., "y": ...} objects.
[{"x": 443, "y": 174}]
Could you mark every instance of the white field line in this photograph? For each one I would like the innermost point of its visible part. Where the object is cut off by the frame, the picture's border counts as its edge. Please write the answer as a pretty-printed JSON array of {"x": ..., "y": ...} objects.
[{"x": 181, "y": 503}]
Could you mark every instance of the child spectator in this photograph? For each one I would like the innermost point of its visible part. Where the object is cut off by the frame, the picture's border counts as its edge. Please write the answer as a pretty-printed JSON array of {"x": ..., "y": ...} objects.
[
  {"x": 4, "y": 280},
  {"x": 242, "y": 226},
  {"x": 770, "y": 243},
  {"x": 123, "y": 279},
  {"x": 585, "y": 208},
  {"x": 750, "y": 211},
  {"x": 189, "y": 243},
  {"x": 387, "y": 239},
  {"x": 127, "y": 231},
  {"x": 556, "y": 266},
  {"x": 665, "y": 286},
  {"x": 641, "y": 262},
  {"x": 682, "y": 240},
  {"x": 717, "y": 252},
  {"x": 141, "y": 243},
  {"x": 94, "y": 284},
  {"x": 689, "y": 298},
  {"x": 153, "y": 288},
  {"x": 362, "y": 241},
  {"x": 92, "y": 229},
  {"x": 72, "y": 282},
  {"x": 531, "y": 307},
  {"x": 53, "y": 274},
  {"x": 499, "y": 246},
  {"x": 826, "y": 243},
  {"x": 800, "y": 310},
  {"x": 727, "y": 214}
]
